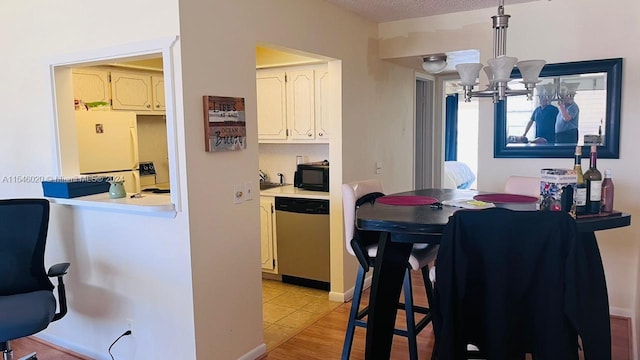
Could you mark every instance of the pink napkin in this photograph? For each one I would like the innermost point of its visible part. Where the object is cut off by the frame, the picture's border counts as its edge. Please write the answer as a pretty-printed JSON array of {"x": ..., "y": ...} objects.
[
  {"x": 410, "y": 200},
  {"x": 505, "y": 198}
]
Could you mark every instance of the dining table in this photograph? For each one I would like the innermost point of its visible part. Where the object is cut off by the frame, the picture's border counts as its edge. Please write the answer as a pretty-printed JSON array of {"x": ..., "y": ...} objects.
[{"x": 419, "y": 222}]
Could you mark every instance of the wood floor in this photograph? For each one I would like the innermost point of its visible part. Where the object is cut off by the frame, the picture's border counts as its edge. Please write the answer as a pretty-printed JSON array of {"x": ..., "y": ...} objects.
[{"x": 323, "y": 339}]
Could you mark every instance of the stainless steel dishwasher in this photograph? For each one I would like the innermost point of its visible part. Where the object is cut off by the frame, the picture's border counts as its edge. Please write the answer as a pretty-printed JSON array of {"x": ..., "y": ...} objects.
[{"x": 302, "y": 232}]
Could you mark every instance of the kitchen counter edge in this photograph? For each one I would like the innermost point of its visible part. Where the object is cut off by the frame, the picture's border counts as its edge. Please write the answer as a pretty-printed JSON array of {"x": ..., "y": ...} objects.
[
  {"x": 294, "y": 192},
  {"x": 148, "y": 205}
]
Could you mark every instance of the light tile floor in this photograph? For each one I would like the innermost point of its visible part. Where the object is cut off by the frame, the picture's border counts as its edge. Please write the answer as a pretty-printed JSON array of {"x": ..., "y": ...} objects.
[{"x": 288, "y": 309}]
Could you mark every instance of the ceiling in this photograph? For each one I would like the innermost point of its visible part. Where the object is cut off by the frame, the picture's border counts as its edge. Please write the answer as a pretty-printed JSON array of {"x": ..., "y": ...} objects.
[{"x": 391, "y": 10}]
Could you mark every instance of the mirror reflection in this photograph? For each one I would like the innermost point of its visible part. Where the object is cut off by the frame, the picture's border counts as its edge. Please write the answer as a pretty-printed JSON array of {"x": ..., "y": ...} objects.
[
  {"x": 575, "y": 103},
  {"x": 565, "y": 110}
]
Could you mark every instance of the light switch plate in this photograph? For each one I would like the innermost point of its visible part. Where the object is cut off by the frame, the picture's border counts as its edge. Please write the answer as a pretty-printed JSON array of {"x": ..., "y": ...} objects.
[
  {"x": 379, "y": 167},
  {"x": 248, "y": 191}
]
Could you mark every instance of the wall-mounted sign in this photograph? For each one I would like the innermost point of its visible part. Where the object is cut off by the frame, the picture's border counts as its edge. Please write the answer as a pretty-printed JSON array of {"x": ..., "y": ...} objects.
[{"x": 224, "y": 123}]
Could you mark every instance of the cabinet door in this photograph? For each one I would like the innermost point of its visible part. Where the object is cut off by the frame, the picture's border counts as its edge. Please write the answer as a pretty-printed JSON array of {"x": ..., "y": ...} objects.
[
  {"x": 91, "y": 85},
  {"x": 300, "y": 104},
  {"x": 131, "y": 91},
  {"x": 271, "y": 107},
  {"x": 322, "y": 104},
  {"x": 267, "y": 234},
  {"x": 157, "y": 83}
]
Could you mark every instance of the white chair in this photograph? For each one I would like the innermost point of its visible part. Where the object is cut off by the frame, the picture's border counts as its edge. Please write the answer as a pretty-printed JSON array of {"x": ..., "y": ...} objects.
[
  {"x": 523, "y": 185},
  {"x": 364, "y": 245}
]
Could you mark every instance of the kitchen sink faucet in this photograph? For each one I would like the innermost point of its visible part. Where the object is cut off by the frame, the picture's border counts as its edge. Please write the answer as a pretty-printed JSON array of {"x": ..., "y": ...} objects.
[{"x": 281, "y": 176}]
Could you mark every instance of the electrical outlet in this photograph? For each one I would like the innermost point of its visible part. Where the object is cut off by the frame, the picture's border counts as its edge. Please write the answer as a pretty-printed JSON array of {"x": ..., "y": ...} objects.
[
  {"x": 238, "y": 193},
  {"x": 131, "y": 326},
  {"x": 248, "y": 191}
]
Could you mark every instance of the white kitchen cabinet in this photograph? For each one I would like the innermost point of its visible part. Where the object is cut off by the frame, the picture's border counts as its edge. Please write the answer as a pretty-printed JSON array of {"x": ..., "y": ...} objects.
[
  {"x": 157, "y": 88},
  {"x": 323, "y": 118},
  {"x": 272, "y": 100},
  {"x": 268, "y": 234},
  {"x": 131, "y": 91},
  {"x": 292, "y": 103},
  {"x": 137, "y": 91},
  {"x": 300, "y": 104},
  {"x": 91, "y": 85}
]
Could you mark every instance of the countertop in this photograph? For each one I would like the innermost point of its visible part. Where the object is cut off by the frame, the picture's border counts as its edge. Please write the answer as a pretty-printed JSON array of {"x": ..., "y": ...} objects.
[
  {"x": 294, "y": 192},
  {"x": 149, "y": 204}
]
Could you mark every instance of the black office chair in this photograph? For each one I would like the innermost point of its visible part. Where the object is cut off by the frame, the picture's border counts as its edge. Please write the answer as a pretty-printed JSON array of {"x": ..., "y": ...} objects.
[
  {"x": 27, "y": 303},
  {"x": 365, "y": 250},
  {"x": 511, "y": 288}
]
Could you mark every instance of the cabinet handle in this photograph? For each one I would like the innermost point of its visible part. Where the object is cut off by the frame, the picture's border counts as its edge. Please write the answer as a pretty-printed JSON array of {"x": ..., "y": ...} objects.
[
  {"x": 148, "y": 106},
  {"x": 320, "y": 134},
  {"x": 157, "y": 106},
  {"x": 309, "y": 135}
]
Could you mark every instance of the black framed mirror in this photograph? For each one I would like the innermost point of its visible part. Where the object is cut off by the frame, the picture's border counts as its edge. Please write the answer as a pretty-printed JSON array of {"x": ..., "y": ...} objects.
[{"x": 594, "y": 87}]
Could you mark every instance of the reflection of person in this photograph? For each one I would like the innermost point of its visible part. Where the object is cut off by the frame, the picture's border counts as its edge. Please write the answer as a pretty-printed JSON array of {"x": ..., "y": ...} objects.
[
  {"x": 567, "y": 120},
  {"x": 545, "y": 118}
]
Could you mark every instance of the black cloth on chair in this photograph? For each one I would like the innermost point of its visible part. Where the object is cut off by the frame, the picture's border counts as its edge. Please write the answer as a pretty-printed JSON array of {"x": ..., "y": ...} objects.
[{"x": 512, "y": 282}]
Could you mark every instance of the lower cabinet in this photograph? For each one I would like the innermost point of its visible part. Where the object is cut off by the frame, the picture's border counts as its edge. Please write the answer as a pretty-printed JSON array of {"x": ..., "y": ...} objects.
[{"x": 268, "y": 234}]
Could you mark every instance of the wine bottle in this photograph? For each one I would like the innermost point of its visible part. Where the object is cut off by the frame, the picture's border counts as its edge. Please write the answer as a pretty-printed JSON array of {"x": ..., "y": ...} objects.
[
  {"x": 607, "y": 192},
  {"x": 593, "y": 180},
  {"x": 580, "y": 194}
]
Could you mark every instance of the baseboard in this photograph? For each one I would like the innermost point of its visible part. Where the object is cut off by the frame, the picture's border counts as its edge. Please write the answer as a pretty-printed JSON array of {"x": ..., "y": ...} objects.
[
  {"x": 270, "y": 276},
  {"x": 70, "y": 346},
  {"x": 348, "y": 294},
  {"x": 625, "y": 313},
  {"x": 258, "y": 352}
]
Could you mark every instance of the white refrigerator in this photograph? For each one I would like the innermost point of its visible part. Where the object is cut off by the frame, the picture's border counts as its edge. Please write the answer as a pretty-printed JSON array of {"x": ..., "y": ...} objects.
[{"x": 108, "y": 145}]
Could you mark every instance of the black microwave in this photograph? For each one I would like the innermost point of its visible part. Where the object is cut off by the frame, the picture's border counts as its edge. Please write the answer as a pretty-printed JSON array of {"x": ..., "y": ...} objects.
[{"x": 313, "y": 176}]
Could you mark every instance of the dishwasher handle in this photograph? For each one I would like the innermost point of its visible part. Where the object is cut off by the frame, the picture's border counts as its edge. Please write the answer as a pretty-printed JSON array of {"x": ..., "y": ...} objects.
[{"x": 302, "y": 206}]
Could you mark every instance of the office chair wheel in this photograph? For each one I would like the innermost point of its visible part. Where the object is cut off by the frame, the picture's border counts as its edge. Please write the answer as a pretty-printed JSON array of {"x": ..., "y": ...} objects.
[{"x": 31, "y": 356}]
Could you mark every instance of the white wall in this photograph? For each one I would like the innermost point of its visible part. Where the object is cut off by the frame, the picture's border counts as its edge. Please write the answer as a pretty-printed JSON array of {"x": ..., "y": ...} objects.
[
  {"x": 122, "y": 266},
  {"x": 557, "y": 31},
  {"x": 219, "y": 59}
]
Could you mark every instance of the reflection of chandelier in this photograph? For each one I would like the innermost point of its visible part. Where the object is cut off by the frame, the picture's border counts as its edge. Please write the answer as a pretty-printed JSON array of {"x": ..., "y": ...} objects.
[
  {"x": 557, "y": 90},
  {"x": 499, "y": 69}
]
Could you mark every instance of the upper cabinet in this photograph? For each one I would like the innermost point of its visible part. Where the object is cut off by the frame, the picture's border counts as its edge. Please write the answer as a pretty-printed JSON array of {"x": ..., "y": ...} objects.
[
  {"x": 139, "y": 91},
  {"x": 292, "y": 104},
  {"x": 131, "y": 91},
  {"x": 322, "y": 102},
  {"x": 272, "y": 105},
  {"x": 91, "y": 85},
  {"x": 157, "y": 89}
]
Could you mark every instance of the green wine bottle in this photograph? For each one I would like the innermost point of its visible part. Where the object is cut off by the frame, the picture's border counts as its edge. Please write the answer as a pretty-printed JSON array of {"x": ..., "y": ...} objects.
[{"x": 593, "y": 180}]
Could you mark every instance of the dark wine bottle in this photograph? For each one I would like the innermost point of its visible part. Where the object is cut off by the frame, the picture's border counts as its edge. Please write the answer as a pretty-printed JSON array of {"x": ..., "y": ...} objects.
[
  {"x": 607, "y": 192},
  {"x": 580, "y": 193},
  {"x": 593, "y": 180}
]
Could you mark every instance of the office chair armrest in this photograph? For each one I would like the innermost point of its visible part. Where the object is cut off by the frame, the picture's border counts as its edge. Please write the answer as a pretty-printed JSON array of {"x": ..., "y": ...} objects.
[{"x": 59, "y": 270}]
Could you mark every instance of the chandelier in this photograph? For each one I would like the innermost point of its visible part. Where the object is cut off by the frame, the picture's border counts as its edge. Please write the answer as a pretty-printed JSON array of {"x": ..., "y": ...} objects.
[{"x": 499, "y": 69}]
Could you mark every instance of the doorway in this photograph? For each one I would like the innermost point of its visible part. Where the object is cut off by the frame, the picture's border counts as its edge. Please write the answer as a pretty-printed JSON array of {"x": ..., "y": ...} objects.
[
  {"x": 465, "y": 119},
  {"x": 424, "y": 154},
  {"x": 286, "y": 307}
]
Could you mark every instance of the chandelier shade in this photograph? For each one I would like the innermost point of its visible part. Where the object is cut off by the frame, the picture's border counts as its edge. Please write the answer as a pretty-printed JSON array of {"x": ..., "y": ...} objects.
[
  {"x": 469, "y": 73},
  {"x": 530, "y": 70},
  {"x": 500, "y": 67}
]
